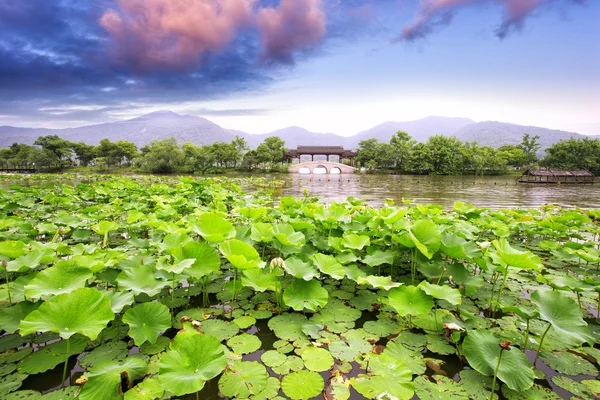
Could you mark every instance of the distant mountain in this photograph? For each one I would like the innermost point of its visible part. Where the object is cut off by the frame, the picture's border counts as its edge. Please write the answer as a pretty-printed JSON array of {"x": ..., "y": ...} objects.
[
  {"x": 497, "y": 134},
  {"x": 200, "y": 131},
  {"x": 420, "y": 130},
  {"x": 141, "y": 131}
]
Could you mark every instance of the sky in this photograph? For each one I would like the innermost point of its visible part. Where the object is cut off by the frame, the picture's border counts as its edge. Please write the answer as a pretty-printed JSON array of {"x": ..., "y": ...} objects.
[{"x": 339, "y": 66}]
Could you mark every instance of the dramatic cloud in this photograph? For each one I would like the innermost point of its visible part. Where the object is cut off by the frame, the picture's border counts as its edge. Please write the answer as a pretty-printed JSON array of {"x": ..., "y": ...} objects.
[
  {"x": 173, "y": 33},
  {"x": 293, "y": 25},
  {"x": 178, "y": 34},
  {"x": 434, "y": 13}
]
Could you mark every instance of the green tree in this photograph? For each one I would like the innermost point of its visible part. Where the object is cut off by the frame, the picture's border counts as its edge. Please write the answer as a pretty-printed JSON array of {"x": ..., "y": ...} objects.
[
  {"x": 402, "y": 147},
  {"x": 443, "y": 155},
  {"x": 574, "y": 154},
  {"x": 162, "y": 156},
  {"x": 59, "y": 148},
  {"x": 513, "y": 156},
  {"x": 241, "y": 147},
  {"x": 127, "y": 151},
  {"x": 530, "y": 147},
  {"x": 271, "y": 151},
  {"x": 85, "y": 153}
]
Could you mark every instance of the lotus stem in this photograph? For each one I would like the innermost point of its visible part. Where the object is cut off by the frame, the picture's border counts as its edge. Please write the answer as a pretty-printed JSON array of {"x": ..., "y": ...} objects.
[
  {"x": 64, "y": 376},
  {"x": 8, "y": 287},
  {"x": 526, "y": 337},
  {"x": 413, "y": 269},
  {"x": 105, "y": 243},
  {"x": 233, "y": 292},
  {"x": 173, "y": 291},
  {"x": 496, "y": 373},
  {"x": 540, "y": 345},
  {"x": 501, "y": 287}
]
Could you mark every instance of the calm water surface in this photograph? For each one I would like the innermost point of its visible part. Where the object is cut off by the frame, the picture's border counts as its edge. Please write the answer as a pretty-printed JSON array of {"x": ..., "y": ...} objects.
[{"x": 493, "y": 192}]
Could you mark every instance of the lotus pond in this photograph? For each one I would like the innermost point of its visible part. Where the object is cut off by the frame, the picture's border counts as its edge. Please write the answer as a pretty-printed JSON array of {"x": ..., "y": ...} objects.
[{"x": 157, "y": 288}]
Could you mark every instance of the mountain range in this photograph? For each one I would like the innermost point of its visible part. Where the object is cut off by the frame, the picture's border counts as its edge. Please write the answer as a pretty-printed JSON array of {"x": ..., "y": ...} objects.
[{"x": 200, "y": 131}]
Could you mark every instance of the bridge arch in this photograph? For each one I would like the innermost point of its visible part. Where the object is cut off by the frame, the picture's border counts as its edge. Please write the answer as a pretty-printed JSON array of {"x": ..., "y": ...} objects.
[{"x": 329, "y": 168}]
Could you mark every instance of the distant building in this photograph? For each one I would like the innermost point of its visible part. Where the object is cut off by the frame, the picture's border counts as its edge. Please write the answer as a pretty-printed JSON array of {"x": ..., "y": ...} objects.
[
  {"x": 327, "y": 151},
  {"x": 556, "y": 176}
]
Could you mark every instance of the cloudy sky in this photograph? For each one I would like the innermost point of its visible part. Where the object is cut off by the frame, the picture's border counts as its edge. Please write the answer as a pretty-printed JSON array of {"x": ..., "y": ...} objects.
[{"x": 336, "y": 66}]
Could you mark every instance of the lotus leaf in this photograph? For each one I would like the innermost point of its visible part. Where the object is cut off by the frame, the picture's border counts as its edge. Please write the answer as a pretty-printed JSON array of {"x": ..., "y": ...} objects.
[
  {"x": 222, "y": 330},
  {"x": 317, "y": 359},
  {"x": 563, "y": 314},
  {"x": 63, "y": 277},
  {"x": 261, "y": 232},
  {"x": 378, "y": 282},
  {"x": 112, "y": 351},
  {"x": 329, "y": 265},
  {"x": 302, "y": 385},
  {"x": 537, "y": 392},
  {"x": 482, "y": 350},
  {"x": 23, "y": 394},
  {"x": 243, "y": 379},
  {"x": 191, "y": 360},
  {"x": 260, "y": 280},
  {"x": 516, "y": 258},
  {"x": 382, "y": 327},
  {"x": 303, "y": 294},
  {"x": 568, "y": 384},
  {"x": 207, "y": 260},
  {"x": 442, "y": 292},
  {"x": 240, "y": 254},
  {"x": 244, "y": 343},
  {"x": 148, "y": 389},
  {"x": 273, "y": 358},
  {"x": 412, "y": 359},
  {"x": 300, "y": 269},
  {"x": 49, "y": 356},
  {"x": 379, "y": 257},
  {"x": 410, "y": 300},
  {"x": 288, "y": 326},
  {"x": 292, "y": 363},
  {"x": 270, "y": 391},
  {"x": 118, "y": 300},
  {"x": 11, "y": 382},
  {"x": 146, "y": 321},
  {"x": 568, "y": 363},
  {"x": 10, "y": 317},
  {"x": 388, "y": 378},
  {"x": 439, "y": 387},
  {"x": 141, "y": 280},
  {"x": 85, "y": 311},
  {"x": 213, "y": 228},
  {"x": 354, "y": 241},
  {"x": 478, "y": 386},
  {"x": 106, "y": 379},
  {"x": 426, "y": 236},
  {"x": 244, "y": 322}
]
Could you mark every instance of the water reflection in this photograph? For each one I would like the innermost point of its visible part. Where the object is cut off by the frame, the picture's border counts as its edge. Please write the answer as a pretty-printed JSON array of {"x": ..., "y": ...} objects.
[{"x": 493, "y": 192}]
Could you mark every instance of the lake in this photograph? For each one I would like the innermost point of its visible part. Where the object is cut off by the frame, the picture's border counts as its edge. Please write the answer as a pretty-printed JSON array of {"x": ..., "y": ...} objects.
[{"x": 493, "y": 192}]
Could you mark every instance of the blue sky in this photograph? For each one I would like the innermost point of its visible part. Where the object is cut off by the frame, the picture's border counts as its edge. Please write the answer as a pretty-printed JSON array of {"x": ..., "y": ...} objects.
[{"x": 326, "y": 65}]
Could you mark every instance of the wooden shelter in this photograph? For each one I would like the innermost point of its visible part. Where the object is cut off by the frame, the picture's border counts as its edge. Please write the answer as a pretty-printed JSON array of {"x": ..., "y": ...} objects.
[
  {"x": 313, "y": 151},
  {"x": 556, "y": 176}
]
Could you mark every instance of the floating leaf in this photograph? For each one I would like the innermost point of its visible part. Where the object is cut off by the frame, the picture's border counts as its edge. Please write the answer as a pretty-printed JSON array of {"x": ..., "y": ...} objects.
[
  {"x": 354, "y": 241},
  {"x": 410, "y": 300},
  {"x": 568, "y": 363},
  {"x": 317, "y": 359},
  {"x": 104, "y": 382},
  {"x": 222, "y": 330},
  {"x": 141, "y": 280},
  {"x": 192, "y": 360},
  {"x": 388, "y": 378},
  {"x": 243, "y": 379},
  {"x": 49, "y": 356},
  {"x": 329, "y": 265},
  {"x": 146, "y": 321},
  {"x": 64, "y": 277},
  {"x": 442, "y": 292},
  {"x": 302, "y": 385},
  {"x": 213, "y": 228},
  {"x": 10, "y": 317},
  {"x": 288, "y": 326},
  {"x": 112, "y": 351},
  {"x": 207, "y": 260},
  {"x": 439, "y": 387},
  {"x": 240, "y": 254},
  {"x": 379, "y": 257},
  {"x": 244, "y": 343},
  {"x": 148, "y": 389}
]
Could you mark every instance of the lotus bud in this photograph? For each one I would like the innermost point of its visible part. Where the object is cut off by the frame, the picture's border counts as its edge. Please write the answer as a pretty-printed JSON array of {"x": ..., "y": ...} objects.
[
  {"x": 277, "y": 263},
  {"x": 451, "y": 279},
  {"x": 452, "y": 327},
  {"x": 4, "y": 263}
]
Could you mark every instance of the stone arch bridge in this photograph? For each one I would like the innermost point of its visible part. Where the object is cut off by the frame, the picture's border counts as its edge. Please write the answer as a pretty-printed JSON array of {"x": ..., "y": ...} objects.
[{"x": 330, "y": 167}]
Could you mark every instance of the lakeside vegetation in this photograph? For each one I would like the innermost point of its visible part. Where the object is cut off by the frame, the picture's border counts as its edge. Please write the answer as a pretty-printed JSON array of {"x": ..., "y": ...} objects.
[
  {"x": 151, "y": 287},
  {"x": 439, "y": 155}
]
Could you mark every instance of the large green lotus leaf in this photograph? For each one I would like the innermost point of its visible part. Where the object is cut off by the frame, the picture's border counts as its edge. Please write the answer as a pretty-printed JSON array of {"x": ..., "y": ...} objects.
[
  {"x": 31, "y": 260},
  {"x": 240, "y": 254},
  {"x": 303, "y": 294},
  {"x": 344, "y": 352},
  {"x": 354, "y": 241},
  {"x": 85, "y": 311},
  {"x": 442, "y": 292},
  {"x": 176, "y": 267},
  {"x": 285, "y": 234},
  {"x": 377, "y": 282},
  {"x": 105, "y": 380},
  {"x": 516, "y": 258},
  {"x": 146, "y": 321},
  {"x": 482, "y": 350},
  {"x": 339, "y": 388},
  {"x": 383, "y": 327},
  {"x": 300, "y": 269},
  {"x": 292, "y": 363},
  {"x": 260, "y": 279},
  {"x": 49, "y": 356},
  {"x": 273, "y": 358},
  {"x": 70, "y": 392},
  {"x": 244, "y": 343},
  {"x": 222, "y": 330},
  {"x": 270, "y": 391},
  {"x": 173, "y": 242},
  {"x": 568, "y": 384},
  {"x": 103, "y": 227},
  {"x": 243, "y": 379},
  {"x": 207, "y": 260},
  {"x": 261, "y": 232},
  {"x": 148, "y": 389},
  {"x": 213, "y": 228},
  {"x": 317, "y": 359},
  {"x": 192, "y": 360},
  {"x": 459, "y": 248},
  {"x": 11, "y": 382},
  {"x": 439, "y": 387},
  {"x": 563, "y": 314},
  {"x": 11, "y": 317},
  {"x": 244, "y": 322},
  {"x": 413, "y": 359},
  {"x": 329, "y": 265},
  {"x": 23, "y": 394},
  {"x": 157, "y": 347},
  {"x": 478, "y": 386},
  {"x": 426, "y": 236},
  {"x": 141, "y": 280},
  {"x": 568, "y": 363},
  {"x": 115, "y": 350},
  {"x": 63, "y": 277},
  {"x": 288, "y": 326},
  {"x": 302, "y": 385},
  {"x": 537, "y": 392},
  {"x": 379, "y": 257},
  {"x": 118, "y": 300},
  {"x": 388, "y": 379},
  {"x": 410, "y": 300}
]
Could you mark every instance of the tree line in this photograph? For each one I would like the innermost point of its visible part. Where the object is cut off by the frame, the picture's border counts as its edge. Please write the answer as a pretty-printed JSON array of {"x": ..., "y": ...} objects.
[
  {"x": 439, "y": 155},
  {"x": 161, "y": 156},
  {"x": 443, "y": 155}
]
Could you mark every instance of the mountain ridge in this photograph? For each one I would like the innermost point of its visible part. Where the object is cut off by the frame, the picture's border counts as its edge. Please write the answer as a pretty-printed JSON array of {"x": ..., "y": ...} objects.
[{"x": 164, "y": 124}]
